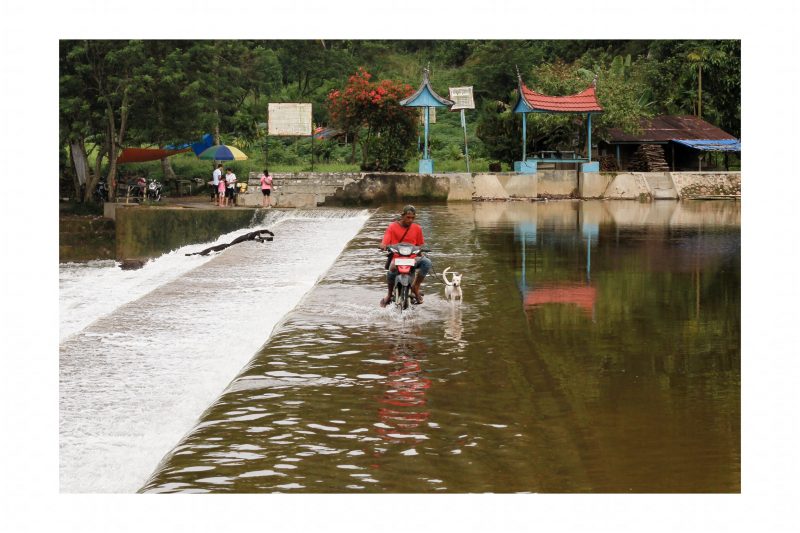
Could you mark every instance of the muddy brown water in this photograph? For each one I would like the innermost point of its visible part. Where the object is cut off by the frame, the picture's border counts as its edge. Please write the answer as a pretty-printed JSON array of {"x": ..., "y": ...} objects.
[{"x": 597, "y": 349}]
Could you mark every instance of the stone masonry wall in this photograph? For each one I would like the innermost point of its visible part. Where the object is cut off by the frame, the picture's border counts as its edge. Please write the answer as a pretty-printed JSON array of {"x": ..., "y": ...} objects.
[{"x": 711, "y": 184}]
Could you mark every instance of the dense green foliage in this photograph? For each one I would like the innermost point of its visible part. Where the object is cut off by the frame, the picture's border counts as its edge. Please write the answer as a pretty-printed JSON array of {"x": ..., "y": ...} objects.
[
  {"x": 115, "y": 94},
  {"x": 371, "y": 113}
]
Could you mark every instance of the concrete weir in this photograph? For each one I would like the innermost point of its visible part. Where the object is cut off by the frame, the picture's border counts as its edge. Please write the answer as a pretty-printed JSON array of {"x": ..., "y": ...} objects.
[{"x": 306, "y": 190}]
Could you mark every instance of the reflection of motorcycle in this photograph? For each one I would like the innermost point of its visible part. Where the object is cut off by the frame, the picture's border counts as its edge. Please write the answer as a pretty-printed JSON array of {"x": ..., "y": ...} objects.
[
  {"x": 404, "y": 401},
  {"x": 404, "y": 256}
]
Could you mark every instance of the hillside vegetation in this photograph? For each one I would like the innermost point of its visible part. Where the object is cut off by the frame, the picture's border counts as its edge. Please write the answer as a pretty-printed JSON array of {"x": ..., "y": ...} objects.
[{"x": 131, "y": 93}]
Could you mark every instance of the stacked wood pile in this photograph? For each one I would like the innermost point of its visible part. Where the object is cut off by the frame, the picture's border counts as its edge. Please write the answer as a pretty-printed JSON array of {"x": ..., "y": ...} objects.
[
  {"x": 649, "y": 158},
  {"x": 608, "y": 163}
]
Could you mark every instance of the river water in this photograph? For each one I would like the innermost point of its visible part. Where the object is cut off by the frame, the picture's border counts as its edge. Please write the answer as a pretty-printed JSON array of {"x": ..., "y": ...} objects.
[{"x": 597, "y": 349}]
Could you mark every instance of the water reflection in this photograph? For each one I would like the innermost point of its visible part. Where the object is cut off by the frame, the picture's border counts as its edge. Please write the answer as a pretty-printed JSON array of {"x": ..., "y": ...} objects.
[
  {"x": 596, "y": 350},
  {"x": 403, "y": 403}
]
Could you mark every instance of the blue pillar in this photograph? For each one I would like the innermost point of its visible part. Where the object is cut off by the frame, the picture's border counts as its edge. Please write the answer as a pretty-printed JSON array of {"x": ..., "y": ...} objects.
[
  {"x": 427, "y": 111},
  {"x": 524, "y": 134},
  {"x": 590, "y": 137}
]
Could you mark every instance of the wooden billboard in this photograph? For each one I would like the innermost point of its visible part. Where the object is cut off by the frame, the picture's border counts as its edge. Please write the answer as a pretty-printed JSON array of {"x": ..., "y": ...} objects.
[
  {"x": 290, "y": 119},
  {"x": 462, "y": 98}
]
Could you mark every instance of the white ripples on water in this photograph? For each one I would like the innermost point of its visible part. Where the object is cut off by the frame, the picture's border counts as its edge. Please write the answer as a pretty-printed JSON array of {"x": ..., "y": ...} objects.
[{"x": 144, "y": 352}]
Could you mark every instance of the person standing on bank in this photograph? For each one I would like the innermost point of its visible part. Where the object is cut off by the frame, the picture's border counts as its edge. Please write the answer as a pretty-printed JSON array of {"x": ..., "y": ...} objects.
[
  {"x": 221, "y": 193},
  {"x": 230, "y": 180},
  {"x": 405, "y": 230},
  {"x": 215, "y": 177},
  {"x": 266, "y": 188}
]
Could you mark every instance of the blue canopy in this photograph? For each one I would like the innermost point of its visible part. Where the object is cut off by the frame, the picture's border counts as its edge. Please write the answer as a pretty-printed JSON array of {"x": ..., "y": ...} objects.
[
  {"x": 712, "y": 145},
  {"x": 426, "y": 96},
  {"x": 199, "y": 147}
]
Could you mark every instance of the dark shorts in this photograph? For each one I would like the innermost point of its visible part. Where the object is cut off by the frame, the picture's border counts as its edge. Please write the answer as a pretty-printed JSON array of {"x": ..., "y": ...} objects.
[
  {"x": 266, "y": 192},
  {"x": 230, "y": 192}
]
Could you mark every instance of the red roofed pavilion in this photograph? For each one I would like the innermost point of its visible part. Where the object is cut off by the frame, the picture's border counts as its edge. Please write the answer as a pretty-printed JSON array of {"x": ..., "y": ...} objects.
[
  {"x": 583, "y": 102},
  {"x": 529, "y": 101}
]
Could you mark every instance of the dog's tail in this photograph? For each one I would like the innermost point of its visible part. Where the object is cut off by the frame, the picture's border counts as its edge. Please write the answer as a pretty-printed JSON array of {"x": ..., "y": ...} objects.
[{"x": 444, "y": 277}]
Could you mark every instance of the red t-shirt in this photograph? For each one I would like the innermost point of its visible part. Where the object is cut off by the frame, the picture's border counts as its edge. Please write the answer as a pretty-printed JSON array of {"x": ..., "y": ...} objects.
[{"x": 394, "y": 234}]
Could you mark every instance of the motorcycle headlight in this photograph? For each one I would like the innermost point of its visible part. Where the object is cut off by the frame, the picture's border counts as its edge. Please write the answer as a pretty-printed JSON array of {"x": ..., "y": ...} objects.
[{"x": 404, "y": 250}]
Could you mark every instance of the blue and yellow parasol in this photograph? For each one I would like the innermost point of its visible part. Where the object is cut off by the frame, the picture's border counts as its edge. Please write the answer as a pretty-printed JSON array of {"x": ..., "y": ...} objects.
[{"x": 223, "y": 152}]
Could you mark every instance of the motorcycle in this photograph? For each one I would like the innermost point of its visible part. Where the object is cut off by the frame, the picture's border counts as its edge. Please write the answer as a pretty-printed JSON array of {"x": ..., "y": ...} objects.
[
  {"x": 404, "y": 256},
  {"x": 154, "y": 190},
  {"x": 101, "y": 192}
]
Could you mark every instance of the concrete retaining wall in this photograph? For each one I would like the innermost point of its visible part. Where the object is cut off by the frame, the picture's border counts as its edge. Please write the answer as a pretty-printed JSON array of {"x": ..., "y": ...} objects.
[
  {"x": 308, "y": 190},
  {"x": 557, "y": 183},
  {"x": 628, "y": 186},
  {"x": 147, "y": 232},
  {"x": 594, "y": 184}
]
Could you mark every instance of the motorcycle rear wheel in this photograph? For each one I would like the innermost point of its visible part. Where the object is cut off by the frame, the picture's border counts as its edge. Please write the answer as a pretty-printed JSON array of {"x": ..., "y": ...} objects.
[{"x": 401, "y": 297}]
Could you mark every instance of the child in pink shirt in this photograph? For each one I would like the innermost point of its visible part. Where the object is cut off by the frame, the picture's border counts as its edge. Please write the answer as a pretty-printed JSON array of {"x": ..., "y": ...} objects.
[{"x": 221, "y": 189}]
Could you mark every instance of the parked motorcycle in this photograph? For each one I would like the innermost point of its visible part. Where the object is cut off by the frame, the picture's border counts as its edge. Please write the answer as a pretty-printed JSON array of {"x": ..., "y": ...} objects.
[
  {"x": 154, "y": 190},
  {"x": 101, "y": 191},
  {"x": 405, "y": 256}
]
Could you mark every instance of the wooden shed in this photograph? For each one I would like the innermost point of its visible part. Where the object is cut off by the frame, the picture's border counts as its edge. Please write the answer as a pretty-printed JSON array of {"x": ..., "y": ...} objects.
[{"x": 668, "y": 142}]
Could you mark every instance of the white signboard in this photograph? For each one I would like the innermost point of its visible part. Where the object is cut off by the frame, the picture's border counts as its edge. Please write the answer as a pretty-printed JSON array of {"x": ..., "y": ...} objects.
[
  {"x": 290, "y": 119},
  {"x": 431, "y": 115},
  {"x": 462, "y": 98}
]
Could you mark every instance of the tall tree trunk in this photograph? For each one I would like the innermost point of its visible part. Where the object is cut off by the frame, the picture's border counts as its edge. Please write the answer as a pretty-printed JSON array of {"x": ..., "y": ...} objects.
[
  {"x": 353, "y": 151},
  {"x": 699, "y": 91},
  {"x": 216, "y": 128},
  {"x": 117, "y": 138},
  {"x": 166, "y": 168}
]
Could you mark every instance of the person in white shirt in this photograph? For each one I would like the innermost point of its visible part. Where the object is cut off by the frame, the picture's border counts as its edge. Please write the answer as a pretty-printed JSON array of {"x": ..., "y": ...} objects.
[
  {"x": 230, "y": 192},
  {"x": 215, "y": 177}
]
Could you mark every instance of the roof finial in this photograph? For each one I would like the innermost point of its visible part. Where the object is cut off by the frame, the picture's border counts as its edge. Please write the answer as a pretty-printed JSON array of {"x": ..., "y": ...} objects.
[
  {"x": 594, "y": 81},
  {"x": 519, "y": 76}
]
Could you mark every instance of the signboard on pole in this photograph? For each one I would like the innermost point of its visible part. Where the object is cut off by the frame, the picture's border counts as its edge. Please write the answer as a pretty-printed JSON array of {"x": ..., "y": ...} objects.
[
  {"x": 290, "y": 119},
  {"x": 462, "y": 98},
  {"x": 431, "y": 115}
]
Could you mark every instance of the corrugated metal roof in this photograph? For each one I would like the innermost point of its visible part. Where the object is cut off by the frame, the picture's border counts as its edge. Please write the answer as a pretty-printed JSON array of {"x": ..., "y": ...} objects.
[
  {"x": 667, "y": 128},
  {"x": 583, "y": 102},
  {"x": 712, "y": 145}
]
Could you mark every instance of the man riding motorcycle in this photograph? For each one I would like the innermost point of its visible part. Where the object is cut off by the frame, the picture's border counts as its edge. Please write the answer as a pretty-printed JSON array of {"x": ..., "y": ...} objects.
[{"x": 405, "y": 230}]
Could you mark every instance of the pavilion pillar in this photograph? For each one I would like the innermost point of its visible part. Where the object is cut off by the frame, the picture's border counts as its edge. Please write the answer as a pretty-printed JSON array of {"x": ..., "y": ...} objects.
[
  {"x": 427, "y": 117},
  {"x": 524, "y": 135},
  {"x": 590, "y": 137}
]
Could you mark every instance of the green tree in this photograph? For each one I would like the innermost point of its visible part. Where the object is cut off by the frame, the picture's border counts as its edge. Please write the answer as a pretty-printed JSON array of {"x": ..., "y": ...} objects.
[
  {"x": 100, "y": 81},
  {"x": 372, "y": 114}
]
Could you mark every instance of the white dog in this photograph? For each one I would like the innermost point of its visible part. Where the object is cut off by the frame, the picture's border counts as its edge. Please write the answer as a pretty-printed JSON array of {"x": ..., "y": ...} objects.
[{"x": 453, "y": 289}]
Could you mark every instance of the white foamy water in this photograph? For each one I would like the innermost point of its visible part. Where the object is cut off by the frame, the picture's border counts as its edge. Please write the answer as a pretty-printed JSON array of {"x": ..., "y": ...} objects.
[{"x": 144, "y": 352}]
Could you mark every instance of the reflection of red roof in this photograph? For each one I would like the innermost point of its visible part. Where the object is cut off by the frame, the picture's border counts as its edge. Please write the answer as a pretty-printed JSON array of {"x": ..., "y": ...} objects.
[
  {"x": 582, "y": 102},
  {"x": 583, "y": 296}
]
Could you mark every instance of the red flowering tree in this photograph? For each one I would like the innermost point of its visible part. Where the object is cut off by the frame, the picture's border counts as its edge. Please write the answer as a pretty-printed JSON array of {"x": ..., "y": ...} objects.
[{"x": 370, "y": 112}]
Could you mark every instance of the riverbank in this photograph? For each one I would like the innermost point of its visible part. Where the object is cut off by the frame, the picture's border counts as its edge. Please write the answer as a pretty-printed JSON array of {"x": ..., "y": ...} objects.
[{"x": 135, "y": 232}]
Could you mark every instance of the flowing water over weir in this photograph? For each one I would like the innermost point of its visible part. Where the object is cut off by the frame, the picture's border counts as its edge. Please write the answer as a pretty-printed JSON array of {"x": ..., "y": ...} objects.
[
  {"x": 144, "y": 352},
  {"x": 597, "y": 350}
]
